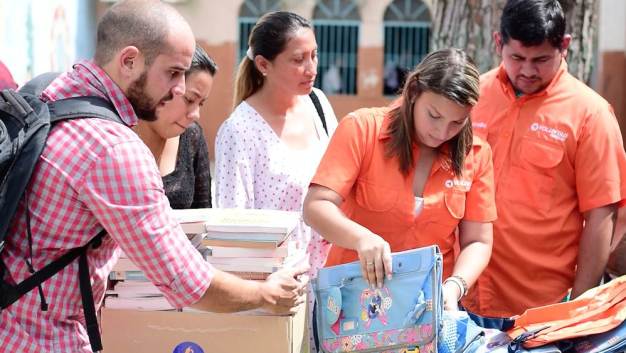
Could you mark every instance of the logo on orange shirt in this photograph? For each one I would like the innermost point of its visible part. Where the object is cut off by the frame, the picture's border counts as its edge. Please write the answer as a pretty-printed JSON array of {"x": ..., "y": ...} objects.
[
  {"x": 464, "y": 184},
  {"x": 550, "y": 131},
  {"x": 479, "y": 125}
]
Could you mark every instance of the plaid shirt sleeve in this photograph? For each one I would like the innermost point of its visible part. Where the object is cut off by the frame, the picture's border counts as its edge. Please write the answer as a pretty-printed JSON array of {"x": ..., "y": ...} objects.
[{"x": 125, "y": 193}]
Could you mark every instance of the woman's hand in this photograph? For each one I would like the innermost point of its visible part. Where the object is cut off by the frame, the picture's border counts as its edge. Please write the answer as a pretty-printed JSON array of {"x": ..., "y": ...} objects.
[
  {"x": 451, "y": 296},
  {"x": 322, "y": 212},
  {"x": 375, "y": 256}
]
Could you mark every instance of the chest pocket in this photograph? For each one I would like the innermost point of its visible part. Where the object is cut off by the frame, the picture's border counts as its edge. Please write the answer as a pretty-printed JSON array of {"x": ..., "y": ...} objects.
[
  {"x": 374, "y": 197},
  {"x": 455, "y": 204},
  {"x": 541, "y": 154},
  {"x": 531, "y": 181},
  {"x": 440, "y": 222},
  {"x": 449, "y": 210}
]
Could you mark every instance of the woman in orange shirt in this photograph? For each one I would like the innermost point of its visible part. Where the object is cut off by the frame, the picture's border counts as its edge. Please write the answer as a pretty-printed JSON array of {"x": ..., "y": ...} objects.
[{"x": 407, "y": 175}]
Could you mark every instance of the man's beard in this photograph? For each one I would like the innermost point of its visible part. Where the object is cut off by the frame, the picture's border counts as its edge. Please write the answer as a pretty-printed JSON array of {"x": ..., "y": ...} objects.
[{"x": 143, "y": 105}]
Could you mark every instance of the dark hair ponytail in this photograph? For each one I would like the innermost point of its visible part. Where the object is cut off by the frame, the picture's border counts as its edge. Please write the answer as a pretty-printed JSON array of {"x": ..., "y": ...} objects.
[{"x": 268, "y": 38}]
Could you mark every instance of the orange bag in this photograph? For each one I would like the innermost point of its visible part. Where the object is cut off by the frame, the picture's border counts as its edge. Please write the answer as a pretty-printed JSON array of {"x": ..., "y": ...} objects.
[{"x": 597, "y": 310}]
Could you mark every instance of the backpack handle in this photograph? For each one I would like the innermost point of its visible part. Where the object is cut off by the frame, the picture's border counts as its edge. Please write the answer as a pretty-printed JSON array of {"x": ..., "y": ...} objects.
[{"x": 35, "y": 86}]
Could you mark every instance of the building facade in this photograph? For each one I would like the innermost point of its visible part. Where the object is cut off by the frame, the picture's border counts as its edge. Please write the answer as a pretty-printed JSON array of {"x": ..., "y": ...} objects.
[
  {"x": 365, "y": 46},
  {"x": 38, "y": 36}
]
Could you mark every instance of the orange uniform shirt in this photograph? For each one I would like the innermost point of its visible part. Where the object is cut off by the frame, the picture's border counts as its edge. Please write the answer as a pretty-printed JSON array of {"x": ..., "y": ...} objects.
[
  {"x": 379, "y": 197},
  {"x": 557, "y": 154}
]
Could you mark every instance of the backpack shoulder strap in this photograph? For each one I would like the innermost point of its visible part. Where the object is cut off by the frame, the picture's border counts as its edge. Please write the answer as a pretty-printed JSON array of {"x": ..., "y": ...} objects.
[
  {"x": 9, "y": 294},
  {"x": 83, "y": 107},
  {"x": 71, "y": 108},
  {"x": 320, "y": 111},
  {"x": 39, "y": 83}
]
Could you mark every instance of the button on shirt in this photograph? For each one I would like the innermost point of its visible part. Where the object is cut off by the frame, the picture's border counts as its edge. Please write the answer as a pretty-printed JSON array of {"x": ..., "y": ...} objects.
[
  {"x": 557, "y": 154},
  {"x": 91, "y": 174},
  {"x": 379, "y": 197}
]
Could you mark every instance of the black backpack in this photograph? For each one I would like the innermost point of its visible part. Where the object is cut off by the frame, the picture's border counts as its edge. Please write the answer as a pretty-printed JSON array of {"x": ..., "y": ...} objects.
[{"x": 25, "y": 122}]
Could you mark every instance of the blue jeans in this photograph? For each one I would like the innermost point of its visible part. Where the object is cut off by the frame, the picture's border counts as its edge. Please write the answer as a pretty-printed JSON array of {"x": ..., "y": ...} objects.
[{"x": 498, "y": 323}]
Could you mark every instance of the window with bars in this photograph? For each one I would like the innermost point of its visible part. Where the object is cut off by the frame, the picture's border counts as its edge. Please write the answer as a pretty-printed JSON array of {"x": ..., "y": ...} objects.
[
  {"x": 249, "y": 13},
  {"x": 407, "y": 35},
  {"x": 336, "y": 24}
]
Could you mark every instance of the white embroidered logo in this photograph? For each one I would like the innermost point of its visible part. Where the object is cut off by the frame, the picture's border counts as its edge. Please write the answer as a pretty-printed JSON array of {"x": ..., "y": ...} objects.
[
  {"x": 552, "y": 132},
  {"x": 479, "y": 125},
  {"x": 466, "y": 184}
]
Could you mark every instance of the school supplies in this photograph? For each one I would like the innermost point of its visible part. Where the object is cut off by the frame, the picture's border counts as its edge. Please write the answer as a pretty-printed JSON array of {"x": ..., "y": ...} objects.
[
  {"x": 403, "y": 315},
  {"x": 596, "y": 311}
]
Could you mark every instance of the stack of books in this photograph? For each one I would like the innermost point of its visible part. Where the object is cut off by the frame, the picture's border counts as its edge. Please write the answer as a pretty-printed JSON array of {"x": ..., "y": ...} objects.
[
  {"x": 130, "y": 289},
  {"x": 249, "y": 243}
]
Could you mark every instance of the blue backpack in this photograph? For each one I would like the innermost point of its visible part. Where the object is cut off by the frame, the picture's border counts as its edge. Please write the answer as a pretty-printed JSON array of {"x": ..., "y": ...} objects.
[
  {"x": 25, "y": 122},
  {"x": 402, "y": 316}
]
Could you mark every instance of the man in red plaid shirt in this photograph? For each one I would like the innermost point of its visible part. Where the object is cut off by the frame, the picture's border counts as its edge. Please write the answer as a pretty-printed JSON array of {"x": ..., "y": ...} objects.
[{"x": 95, "y": 174}]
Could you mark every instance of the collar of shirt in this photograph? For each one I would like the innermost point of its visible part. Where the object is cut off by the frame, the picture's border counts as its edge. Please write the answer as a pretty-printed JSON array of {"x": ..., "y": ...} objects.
[
  {"x": 89, "y": 79},
  {"x": 508, "y": 89}
]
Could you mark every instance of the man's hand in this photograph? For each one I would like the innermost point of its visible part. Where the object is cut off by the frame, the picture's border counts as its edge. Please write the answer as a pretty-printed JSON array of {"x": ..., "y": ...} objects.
[{"x": 284, "y": 290}]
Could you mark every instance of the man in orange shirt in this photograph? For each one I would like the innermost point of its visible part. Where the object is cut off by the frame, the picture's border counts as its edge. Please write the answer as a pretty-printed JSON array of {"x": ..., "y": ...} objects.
[{"x": 557, "y": 155}]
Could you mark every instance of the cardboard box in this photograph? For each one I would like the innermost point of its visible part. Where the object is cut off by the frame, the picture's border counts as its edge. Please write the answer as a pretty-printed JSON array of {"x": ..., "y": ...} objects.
[{"x": 162, "y": 331}]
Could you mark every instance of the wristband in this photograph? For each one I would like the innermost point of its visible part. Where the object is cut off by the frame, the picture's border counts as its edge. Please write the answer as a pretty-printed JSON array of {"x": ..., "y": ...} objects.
[{"x": 460, "y": 282}]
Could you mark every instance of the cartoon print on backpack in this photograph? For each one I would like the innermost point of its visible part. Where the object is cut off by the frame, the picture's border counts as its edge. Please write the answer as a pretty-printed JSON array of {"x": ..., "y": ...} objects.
[
  {"x": 375, "y": 303},
  {"x": 381, "y": 339}
]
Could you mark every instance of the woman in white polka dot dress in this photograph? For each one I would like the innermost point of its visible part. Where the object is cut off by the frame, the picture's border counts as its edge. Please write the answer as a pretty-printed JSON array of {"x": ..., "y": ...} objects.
[{"x": 268, "y": 149}]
